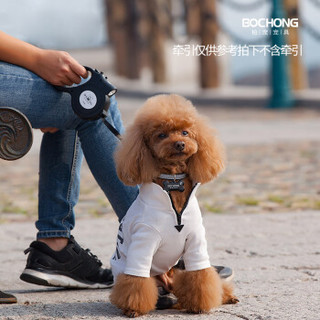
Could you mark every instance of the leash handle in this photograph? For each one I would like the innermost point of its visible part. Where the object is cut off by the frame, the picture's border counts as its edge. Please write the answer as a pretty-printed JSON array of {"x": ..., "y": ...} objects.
[{"x": 90, "y": 98}]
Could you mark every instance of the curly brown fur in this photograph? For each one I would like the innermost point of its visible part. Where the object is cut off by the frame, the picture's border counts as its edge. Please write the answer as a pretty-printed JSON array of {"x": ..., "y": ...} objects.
[
  {"x": 134, "y": 295},
  {"x": 228, "y": 297},
  {"x": 198, "y": 291},
  {"x": 142, "y": 156},
  {"x": 169, "y": 136},
  {"x": 149, "y": 146}
]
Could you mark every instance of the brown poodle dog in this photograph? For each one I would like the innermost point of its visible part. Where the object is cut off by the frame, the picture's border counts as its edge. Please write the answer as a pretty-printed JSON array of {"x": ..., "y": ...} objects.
[{"x": 169, "y": 149}]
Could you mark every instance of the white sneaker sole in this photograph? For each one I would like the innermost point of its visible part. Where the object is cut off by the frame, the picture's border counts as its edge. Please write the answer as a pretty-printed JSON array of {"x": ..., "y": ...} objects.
[
  {"x": 230, "y": 278},
  {"x": 56, "y": 280}
]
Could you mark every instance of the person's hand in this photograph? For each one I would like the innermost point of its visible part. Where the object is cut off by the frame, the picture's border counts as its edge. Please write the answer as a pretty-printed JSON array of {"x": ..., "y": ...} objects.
[{"x": 58, "y": 68}]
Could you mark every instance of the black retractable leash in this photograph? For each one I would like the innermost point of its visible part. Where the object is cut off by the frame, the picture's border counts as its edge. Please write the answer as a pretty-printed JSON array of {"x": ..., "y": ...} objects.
[{"x": 90, "y": 99}]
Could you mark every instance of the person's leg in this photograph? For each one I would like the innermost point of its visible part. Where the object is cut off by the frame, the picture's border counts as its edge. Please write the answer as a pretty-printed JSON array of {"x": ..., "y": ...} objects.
[
  {"x": 45, "y": 106},
  {"x": 98, "y": 145},
  {"x": 60, "y": 155},
  {"x": 60, "y": 161},
  {"x": 59, "y": 185},
  {"x": 39, "y": 101},
  {"x": 59, "y": 178}
]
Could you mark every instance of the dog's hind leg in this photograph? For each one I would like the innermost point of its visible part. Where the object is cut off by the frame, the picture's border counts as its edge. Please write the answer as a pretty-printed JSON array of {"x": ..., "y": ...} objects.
[
  {"x": 134, "y": 295},
  {"x": 227, "y": 296},
  {"x": 198, "y": 291}
]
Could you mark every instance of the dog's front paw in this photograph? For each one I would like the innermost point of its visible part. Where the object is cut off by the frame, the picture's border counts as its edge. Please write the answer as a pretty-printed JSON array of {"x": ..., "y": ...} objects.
[
  {"x": 131, "y": 313},
  {"x": 198, "y": 291},
  {"x": 230, "y": 300},
  {"x": 134, "y": 295}
]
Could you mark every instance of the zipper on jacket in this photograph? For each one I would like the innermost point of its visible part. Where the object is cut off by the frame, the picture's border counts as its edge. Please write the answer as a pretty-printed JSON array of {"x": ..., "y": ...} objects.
[{"x": 179, "y": 215}]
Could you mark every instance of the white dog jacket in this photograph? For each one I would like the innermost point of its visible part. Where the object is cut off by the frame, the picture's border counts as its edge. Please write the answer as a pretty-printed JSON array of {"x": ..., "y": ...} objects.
[{"x": 153, "y": 236}]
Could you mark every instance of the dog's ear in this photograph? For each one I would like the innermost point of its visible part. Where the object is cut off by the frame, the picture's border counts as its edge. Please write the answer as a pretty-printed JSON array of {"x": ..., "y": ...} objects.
[
  {"x": 134, "y": 162},
  {"x": 209, "y": 160}
]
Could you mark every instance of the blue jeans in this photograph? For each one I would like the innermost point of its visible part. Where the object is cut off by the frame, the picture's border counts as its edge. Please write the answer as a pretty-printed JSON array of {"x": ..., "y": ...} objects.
[{"x": 61, "y": 153}]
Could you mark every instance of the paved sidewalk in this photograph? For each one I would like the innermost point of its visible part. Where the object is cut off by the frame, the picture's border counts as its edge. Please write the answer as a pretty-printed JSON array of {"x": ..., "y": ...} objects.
[{"x": 276, "y": 258}]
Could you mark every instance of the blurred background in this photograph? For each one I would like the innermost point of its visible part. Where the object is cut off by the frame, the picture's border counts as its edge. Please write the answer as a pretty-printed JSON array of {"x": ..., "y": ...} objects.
[
  {"x": 141, "y": 34},
  {"x": 265, "y": 108}
]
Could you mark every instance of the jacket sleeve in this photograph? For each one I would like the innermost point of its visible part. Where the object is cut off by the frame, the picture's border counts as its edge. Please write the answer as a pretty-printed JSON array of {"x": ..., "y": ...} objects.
[
  {"x": 196, "y": 253},
  {"x": 144, "y": 243}
]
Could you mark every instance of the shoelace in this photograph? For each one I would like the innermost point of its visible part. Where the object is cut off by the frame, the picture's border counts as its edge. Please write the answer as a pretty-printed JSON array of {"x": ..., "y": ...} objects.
[
  {"x": 93, "y": 256},
  {"x": 88, "y": 251}
]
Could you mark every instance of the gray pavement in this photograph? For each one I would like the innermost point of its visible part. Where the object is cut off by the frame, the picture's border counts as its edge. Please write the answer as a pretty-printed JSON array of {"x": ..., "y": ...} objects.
[
  {"x": 269, "y": 238},
  {"x": 276, "y": 258}
]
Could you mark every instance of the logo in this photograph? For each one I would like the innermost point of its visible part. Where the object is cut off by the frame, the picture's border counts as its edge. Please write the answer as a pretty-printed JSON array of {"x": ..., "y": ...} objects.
[
  {"x": 270, "y": 22},
  {"x": 88, "y": 99}
]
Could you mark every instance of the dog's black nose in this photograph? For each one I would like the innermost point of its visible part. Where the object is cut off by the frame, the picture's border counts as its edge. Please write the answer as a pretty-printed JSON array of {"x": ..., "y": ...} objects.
[{"x": 179, "y": 145}]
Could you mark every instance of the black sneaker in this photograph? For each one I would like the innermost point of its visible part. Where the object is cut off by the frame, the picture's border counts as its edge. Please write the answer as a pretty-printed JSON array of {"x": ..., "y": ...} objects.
[
  {"x": 166, "y": 300},
  {"x": 72, "y": 267},
  {"x": 7, "y": 298}
]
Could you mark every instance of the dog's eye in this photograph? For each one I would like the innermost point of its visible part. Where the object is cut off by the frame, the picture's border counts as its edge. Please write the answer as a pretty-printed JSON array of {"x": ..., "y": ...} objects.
[
  {"x": 162, "y": 135},
  {"x": 185, "y": 133}
]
